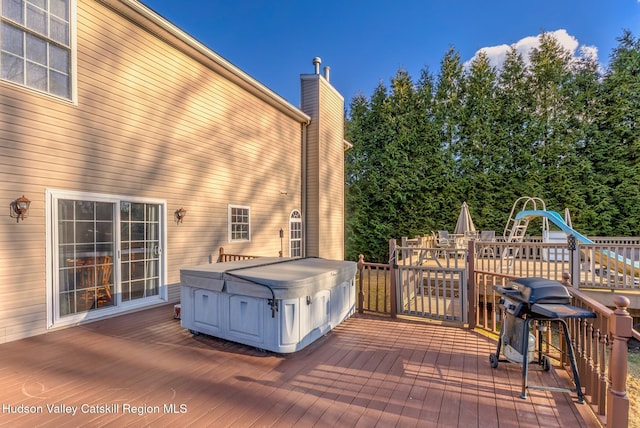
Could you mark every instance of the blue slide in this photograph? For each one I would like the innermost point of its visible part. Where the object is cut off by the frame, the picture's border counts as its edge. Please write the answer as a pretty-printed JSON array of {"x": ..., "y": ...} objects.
[
  {"x": 556, "y": 219},
  {"x": 628, "y": 266}
]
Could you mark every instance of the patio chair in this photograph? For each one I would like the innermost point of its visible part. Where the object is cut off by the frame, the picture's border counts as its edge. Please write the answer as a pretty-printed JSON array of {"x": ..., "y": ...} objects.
[
  {"x": 104, "y": 288},
  {"x": 487, "y": 236},
  {"x": 96, "y": 275},
  {"x": 443, "y": 240}
]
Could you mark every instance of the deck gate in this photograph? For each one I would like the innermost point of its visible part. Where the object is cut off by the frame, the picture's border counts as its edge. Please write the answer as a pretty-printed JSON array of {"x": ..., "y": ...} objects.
[{"x": 429, "y": 289}]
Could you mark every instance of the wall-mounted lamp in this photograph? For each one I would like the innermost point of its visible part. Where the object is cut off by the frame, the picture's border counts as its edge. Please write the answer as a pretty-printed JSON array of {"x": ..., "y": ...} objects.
[
  {"x": 281, "y": 236},
  {"x": 20, "y": 208},
  {"x": 180, "y": 214}
]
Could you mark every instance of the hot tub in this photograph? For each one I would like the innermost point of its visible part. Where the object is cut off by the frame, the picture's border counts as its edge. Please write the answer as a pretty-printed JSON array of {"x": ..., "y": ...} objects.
[{"x": 275, "y": 304}]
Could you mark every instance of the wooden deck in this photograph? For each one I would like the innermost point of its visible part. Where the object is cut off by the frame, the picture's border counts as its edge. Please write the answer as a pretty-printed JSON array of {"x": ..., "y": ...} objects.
[{"x": 143, "y": 369}]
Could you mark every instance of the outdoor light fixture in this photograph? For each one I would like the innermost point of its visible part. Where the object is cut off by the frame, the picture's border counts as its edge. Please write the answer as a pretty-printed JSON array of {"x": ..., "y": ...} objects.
[
  {"x": 20, "y": 208},
  {"x": 180, "y": 215}
]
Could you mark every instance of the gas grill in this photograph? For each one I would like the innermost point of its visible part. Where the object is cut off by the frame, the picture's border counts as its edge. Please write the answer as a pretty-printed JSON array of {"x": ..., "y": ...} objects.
[{"x": 526, "y": 300}]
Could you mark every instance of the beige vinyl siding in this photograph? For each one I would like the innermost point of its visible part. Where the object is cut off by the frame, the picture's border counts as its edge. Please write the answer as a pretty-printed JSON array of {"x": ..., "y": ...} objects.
[
  {"x": 325, "y": 163},
  {"x": 311, "y": 99},
  {"x": 331, "y": 205},
  {"x": 150, "y": 122}
]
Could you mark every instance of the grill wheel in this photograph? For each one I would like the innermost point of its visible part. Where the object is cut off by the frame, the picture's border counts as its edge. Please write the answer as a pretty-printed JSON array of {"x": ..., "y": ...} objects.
[
  {"x": 546, "y": 363},
  {"x": 493, "y": 359}
]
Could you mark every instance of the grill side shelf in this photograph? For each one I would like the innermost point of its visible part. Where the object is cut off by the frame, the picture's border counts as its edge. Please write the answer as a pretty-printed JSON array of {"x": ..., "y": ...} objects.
[{"x": 550, "y": 310}]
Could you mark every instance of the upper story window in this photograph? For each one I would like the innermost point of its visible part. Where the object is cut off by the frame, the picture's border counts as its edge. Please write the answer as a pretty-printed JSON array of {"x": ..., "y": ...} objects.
[
  {"x": 295, "y": 234},
  {"x": 239, "y": 223},
  {"x": 35, "y": 45}
]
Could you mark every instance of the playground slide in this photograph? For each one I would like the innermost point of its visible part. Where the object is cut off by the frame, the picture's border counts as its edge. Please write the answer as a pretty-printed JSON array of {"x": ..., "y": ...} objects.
[
  {"x": 556, "y": 219},
  {"x": 605, "y": 258},
  {"x": 620, "y": 263}
]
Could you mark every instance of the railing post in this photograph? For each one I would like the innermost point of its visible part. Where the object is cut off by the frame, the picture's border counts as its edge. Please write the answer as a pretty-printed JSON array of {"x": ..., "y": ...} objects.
[
  {"x": 564, "y": 353},
  {"x": 620, "y": 327},
  {"x": 574, "y": 259},
  {"x": 221, "y": 254},
  {"x": 360, "y": 283},
  {"x": 392, "y": 280},
  {"x": 472, "y": 297},
  {"x": 566, "y": 279}
]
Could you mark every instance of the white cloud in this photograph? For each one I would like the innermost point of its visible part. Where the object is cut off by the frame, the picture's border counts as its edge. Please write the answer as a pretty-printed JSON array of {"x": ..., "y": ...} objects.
[
  {"x": 590, "y": 51},
  {"x": 524, "y": 46}
]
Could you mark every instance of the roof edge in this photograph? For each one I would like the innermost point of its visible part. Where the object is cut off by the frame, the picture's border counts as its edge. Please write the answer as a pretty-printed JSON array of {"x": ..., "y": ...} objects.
[{"x": 240, "y": 77}]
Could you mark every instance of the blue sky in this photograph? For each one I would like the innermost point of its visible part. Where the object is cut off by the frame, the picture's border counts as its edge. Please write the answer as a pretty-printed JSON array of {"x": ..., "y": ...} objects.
[{"x": 366, "y": 42}]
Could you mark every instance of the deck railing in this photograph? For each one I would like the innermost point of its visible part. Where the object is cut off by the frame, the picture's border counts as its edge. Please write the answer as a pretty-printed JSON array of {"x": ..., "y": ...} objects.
[
  {"x": 609, "y": 266},
  {"x": 600, "y": 343},
  {"x": 374, "y": 288},
  {"x": 226, "y": 257},
  {"x": 522, "y": 259}
]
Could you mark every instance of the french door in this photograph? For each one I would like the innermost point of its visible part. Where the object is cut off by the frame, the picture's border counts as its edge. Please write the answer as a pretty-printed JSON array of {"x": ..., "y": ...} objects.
[{"x": 107, "y": 254}]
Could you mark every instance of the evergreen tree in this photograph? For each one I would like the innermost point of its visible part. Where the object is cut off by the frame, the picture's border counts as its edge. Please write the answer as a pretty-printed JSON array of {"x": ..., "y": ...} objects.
[
  {"x": 406, "y": 190},
  {"x": 617, "y": 161},
  {"x": 436, "y": 161},
  {"x": 357, "y": 172},
  {"x": 368, "y": 206},
  {"x": 479, "y": 155},
  {"x": 591, "y": 199},
  {"x": 516, "y": 106},
  {"x": 557, "y": 177},
  {"x": 446, "y": 118},
  {"x": 555, "y": 129}
]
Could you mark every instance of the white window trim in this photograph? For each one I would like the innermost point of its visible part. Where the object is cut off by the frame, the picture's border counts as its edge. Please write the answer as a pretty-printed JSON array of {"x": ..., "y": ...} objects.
[
  {"x": 53, "y": 318},
  {"x": 73, "y": 67},
  {"x": 73, "y": 10},
  {"x": 229, "y": 223},
  {"x": 301, "y": 233}
]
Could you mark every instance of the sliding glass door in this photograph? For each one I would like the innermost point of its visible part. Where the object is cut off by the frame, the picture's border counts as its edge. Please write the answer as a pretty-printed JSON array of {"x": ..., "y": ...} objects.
[
  {"x": 108, "y": 253},
  {"x": 85, "y": 253},
  {"x": 140, "y": 250}
]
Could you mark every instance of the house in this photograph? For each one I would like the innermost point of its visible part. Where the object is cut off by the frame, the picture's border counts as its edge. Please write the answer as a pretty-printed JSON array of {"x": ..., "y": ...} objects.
[{"x": 139, "y": 151}]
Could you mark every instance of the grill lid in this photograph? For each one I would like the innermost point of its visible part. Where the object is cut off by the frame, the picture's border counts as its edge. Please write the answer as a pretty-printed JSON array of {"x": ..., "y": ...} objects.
[{"x": 540, "y": 290}]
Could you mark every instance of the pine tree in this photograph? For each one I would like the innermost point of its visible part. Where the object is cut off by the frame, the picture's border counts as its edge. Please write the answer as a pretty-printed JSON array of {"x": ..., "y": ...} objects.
[
  {"x": 480, "y": 156},
  {"x": 407, "y": 149},
  {"x": 557, "y": 177},
  {"x": 516, "y": 106},
  {"x": 447, "y": 109},
  {"x": 369, "y": 209},
  {"x": 589, "y": 206},
  {"x": 555, "y": 129},
  {"x": 618, "y": 162},
  {"x": 436, "y": 164}
]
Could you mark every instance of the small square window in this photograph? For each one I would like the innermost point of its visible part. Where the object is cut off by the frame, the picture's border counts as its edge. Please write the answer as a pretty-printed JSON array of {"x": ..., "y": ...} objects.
[{"x": 239, "y": 223}]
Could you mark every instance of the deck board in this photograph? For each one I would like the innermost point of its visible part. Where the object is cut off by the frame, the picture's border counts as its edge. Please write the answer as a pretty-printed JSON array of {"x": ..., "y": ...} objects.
[{"x": 369, "y": 371}]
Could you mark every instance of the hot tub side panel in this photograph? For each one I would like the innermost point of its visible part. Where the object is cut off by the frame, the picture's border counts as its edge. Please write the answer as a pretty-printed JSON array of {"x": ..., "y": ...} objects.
[
  {"x": 249, "y": 322},
  {"x": 343, "y": 302},
  {"x": 202, "y": 311}
]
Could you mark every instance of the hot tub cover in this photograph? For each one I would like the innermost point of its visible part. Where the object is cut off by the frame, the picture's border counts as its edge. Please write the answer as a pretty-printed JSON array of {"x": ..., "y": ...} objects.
[
  {"x": 270, "y": 276},
  {"x": 210, "y": 276}
]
